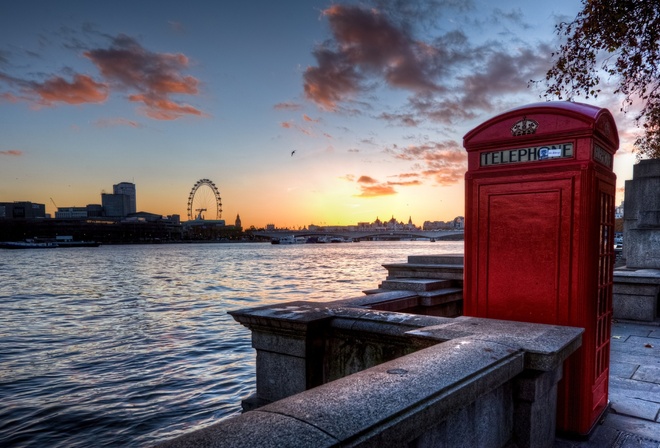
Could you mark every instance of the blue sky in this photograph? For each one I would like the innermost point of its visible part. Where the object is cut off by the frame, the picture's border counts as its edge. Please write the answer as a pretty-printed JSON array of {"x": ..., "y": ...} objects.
[{"x": 373, "y": 97}]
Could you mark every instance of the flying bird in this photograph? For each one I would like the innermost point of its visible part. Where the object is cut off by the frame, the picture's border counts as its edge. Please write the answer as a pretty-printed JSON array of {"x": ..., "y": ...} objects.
[{"x": 293, "y": 152}]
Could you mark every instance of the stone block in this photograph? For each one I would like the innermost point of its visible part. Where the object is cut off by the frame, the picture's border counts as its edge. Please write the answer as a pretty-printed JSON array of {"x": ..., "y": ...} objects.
[
  {"x": 488, "y": 422},
  {"x": 395, "y": 402},
  {"x": 634, "y": 307},
  {"x": 636, "y": 293},
  {"x": 254, "y": 429},
  {"x": 451, "y": 259},
  {"x": 648, "y": 374},
  {"x": 292, "y": 345},
  {"x": 415, "y": 284},
  {"x": 642, "y": 248},
  {"x": 279, "y": 376},
  {"x": 646, "y": 168}
]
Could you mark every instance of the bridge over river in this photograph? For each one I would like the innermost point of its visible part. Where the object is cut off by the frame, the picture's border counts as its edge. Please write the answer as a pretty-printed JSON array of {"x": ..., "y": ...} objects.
[{"x": 366, "y": 235}]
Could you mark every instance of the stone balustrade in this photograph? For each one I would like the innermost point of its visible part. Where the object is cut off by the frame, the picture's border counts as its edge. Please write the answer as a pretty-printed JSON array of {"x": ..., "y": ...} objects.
[{"x": 338, "y": 375}]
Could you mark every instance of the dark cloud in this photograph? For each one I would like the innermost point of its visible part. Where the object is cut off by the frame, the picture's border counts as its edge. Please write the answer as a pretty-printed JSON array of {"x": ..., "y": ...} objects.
[
  {"x": 514, "y": 16},
  {"x": 401, "y": 119},
  {"x": 365, "y": 44},
  {"x": 287, "y": 106},
  {"x": 398, "y": 44},
  {"x": 425, "y": 12},
  {"x": 176, "y": 26},
  {"x": 332, "y": 81},
  {"x": 503, "y": 73}
]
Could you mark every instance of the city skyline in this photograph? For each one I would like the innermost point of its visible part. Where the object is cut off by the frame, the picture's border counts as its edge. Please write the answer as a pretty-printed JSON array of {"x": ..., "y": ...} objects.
[{"x": 303, "y": 112}]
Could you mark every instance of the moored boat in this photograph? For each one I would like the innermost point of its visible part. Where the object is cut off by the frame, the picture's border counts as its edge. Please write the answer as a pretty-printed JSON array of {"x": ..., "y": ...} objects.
[
  {"x": 29, "y": 244},
  {"x": 289, "y": 240}
]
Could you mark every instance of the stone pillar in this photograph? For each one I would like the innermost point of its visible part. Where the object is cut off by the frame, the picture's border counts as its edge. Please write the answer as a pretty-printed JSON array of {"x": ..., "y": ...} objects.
[
  {"x": 535, "y": 409},
  {"x": 641, "y": 214},
  {"x": 289, "y": 343},
  {"x": 636, "y": 291}
]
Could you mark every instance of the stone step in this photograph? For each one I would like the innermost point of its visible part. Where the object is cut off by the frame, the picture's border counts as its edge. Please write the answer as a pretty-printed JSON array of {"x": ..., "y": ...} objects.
[
  {"x": 440, "y": 296},
  {"x": 374, "y": 296},
  {"x": 451, "y": 259},
  {"x": 431, "y": 271},
  {"x": 415, "y": 284},
  {"x": 447, "y": 302}
]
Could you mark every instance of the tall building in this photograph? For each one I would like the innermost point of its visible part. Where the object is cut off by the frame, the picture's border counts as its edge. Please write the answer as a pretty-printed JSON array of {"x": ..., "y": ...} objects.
[
  {"x": 128, "y": 189},
  {"x": 115, "y": 205},
  {"x": 237, "y": 224}
]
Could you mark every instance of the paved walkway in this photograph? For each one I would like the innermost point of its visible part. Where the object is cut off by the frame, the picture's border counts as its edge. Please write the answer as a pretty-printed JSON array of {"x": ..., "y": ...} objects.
[{"x": 633, "y": 419}]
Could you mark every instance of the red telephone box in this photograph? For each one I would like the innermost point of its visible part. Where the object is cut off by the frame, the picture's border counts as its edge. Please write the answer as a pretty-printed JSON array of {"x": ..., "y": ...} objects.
[{"x": 539, "y": 227}]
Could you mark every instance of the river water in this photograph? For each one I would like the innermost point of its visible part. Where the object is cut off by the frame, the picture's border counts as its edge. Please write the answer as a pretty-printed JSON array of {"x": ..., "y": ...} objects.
[{"x": 131, "y": 345}]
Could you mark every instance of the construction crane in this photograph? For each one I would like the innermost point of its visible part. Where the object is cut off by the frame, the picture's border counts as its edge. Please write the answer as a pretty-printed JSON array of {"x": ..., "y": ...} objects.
[{"x": 56, "y": 207}]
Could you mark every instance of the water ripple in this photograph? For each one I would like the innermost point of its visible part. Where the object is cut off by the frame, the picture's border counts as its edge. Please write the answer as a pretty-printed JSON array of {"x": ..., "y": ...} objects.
[{"x": 130, "y": 345}]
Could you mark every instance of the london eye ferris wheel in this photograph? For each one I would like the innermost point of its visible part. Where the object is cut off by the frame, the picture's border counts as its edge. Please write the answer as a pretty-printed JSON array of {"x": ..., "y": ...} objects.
[{"x": 204, "y": 198}]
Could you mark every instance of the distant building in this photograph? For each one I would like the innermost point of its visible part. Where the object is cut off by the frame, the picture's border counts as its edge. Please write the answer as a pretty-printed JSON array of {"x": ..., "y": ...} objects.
[
  {"x": 94, "y": 210},
  {"x": 618, "y": 211},
  {"x": 128, "y": 189},
  {"x": 22, "y": 210},
  {"x": 237, "y": 223},
  {"x": 144, "y": 216},
  {"x": 71, "y": 212},
  {"x": 115, "y": 205}
]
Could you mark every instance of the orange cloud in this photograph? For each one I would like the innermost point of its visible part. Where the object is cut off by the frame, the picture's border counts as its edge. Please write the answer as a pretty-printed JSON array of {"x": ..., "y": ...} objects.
[
  {"x": 444, "y": 162},
  {"x": 83, "y": 89},
  {"x": 155, "y": 76},
  {"x": 307, "y": 118},
  {"x": 367, "y": 180},
  {"x": 162, "y": 108},
  {"x": 409, "y": 183},
  {"x": 151, "y": 78},
  {"x": 372, "y": 191},
  {"x": 8, "y": 97},
  {"x": 291, "y": 125},
  {"x": 12, "y": 153},
  {"x": 371, "y": 188}
]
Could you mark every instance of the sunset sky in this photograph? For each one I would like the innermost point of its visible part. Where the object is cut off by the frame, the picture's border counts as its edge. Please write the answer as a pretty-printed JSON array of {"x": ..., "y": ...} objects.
[{"x": 374, "y": 97}]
